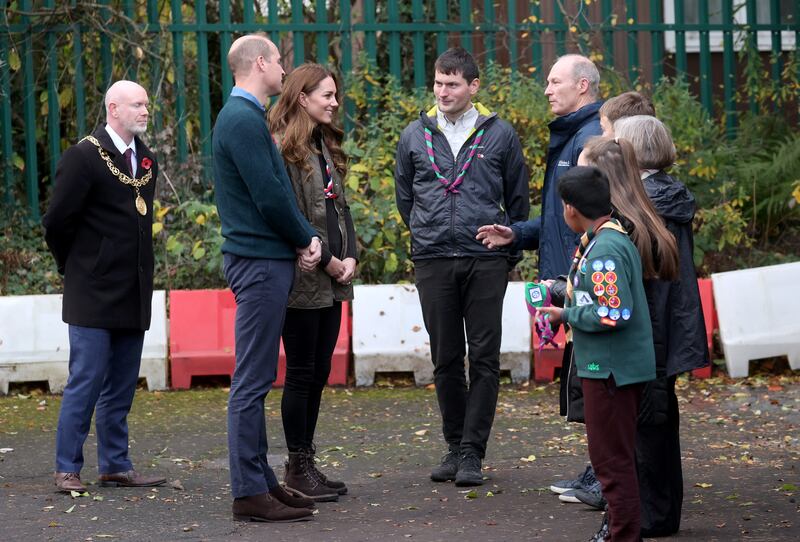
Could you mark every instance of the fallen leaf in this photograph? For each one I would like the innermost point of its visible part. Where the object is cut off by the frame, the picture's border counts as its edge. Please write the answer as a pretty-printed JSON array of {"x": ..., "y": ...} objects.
[
  {"x": 471, "y": 495},
  {"x": 375, "y": 474},
  {"x": 528, "y": 459},
  {"x": 421, "y": 432},
  {"x": 70, "y": 509},
  {"x": 176, "y": 484},
  {"x": 704, "y": 485}
]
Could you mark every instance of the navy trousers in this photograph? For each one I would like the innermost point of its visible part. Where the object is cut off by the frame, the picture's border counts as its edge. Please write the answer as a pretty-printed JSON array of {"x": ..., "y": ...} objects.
[
  {"x": 261, "y": 288},
  {"x": 103, "y": 371}
]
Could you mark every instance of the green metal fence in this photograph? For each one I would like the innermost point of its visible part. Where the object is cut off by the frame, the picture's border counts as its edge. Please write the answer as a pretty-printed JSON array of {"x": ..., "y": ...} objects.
[{"x": 57, "y": 58}]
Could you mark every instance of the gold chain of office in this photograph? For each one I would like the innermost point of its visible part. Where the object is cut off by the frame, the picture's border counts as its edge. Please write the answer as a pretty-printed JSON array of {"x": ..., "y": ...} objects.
[{"x": 141, "y": 206}]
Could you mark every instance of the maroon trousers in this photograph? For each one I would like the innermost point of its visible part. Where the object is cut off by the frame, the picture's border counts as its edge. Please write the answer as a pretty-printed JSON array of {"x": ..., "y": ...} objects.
[{"x": 611, "y": 414}]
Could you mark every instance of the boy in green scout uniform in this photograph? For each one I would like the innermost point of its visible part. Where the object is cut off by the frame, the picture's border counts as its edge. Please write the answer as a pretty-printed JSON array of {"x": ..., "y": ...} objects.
[{"x": 606, "y": 310}]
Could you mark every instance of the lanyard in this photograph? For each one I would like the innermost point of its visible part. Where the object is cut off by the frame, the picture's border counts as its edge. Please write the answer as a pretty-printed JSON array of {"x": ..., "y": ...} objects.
[{"x": 448, "y": 186}]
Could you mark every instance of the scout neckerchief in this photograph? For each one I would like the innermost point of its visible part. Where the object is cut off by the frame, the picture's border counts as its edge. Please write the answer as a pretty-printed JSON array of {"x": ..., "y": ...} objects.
[
  {"x": 448, "y": 186},
  {"x": 138, "y": 201},
  {"x": 328, "y": 188},
  {"x": 588, "y": 239}
]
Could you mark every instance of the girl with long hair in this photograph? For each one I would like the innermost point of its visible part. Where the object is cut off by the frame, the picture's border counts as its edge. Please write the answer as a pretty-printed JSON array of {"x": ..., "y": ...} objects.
[
  {"x": 656, "y": 245},
  {"x": 658, "y": 252},
  {"x": 303, "y": 122}
]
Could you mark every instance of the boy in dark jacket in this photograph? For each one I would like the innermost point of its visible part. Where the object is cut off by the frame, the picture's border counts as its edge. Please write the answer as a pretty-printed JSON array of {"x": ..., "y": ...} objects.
[{"x": 606, "y": 309}]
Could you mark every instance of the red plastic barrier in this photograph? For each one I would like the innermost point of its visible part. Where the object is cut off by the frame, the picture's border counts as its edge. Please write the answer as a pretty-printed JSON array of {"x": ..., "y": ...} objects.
[
  {"x": 548, "y": 360},
  {"x": 710, "y": 317},
  {"x": 202, "y": 338}
]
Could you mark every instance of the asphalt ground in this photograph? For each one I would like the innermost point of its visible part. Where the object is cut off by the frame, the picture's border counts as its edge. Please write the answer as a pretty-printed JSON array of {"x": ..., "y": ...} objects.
[{"x": 741, "y": 449}]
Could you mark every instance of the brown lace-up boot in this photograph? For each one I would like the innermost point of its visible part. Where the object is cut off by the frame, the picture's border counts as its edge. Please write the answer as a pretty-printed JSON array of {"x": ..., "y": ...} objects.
[
  {"x": 301, "y": 479},
  {"x": 337, "y": 485}
]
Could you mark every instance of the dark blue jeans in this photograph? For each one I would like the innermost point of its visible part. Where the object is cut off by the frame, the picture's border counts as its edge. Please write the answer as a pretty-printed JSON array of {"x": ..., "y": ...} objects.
[
  {"x": 261, "y": 288},
  {"x": 103, "y": 371}
]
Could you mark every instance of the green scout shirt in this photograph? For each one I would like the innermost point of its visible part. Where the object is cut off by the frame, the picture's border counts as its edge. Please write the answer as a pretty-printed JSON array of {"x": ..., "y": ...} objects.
[{"x": 608, "y": 312}]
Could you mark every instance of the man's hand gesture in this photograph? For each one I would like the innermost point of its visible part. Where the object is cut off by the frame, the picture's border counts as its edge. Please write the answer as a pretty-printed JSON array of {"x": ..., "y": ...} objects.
[{"x": 495, "y": 236}]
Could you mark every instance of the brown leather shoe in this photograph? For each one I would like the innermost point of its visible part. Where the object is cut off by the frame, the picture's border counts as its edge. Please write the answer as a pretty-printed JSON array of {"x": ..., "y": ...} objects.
[
  {"x": 129, "y": 479},
  {"x": 69, "y": 481},
  {"x": 264, "y": 507},
  {"x": 290, "y": 500}
]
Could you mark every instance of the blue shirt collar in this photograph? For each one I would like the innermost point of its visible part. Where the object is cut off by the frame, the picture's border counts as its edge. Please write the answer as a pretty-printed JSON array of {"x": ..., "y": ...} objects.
[{"x": 236, "y": 91}]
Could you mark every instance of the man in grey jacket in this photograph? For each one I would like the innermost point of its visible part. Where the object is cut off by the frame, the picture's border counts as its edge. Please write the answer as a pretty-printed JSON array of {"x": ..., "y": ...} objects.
[{"x": 460, "y": 166}]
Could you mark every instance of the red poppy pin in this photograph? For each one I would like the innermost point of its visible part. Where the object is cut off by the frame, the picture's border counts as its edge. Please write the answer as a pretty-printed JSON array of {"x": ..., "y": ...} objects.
[{"x": 146, "y": 163}]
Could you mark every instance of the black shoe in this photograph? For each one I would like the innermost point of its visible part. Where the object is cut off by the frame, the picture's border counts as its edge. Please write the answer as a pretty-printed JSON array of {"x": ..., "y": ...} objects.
[
  {"x": 584, "y": 480},
  {"x": 447, "y": 470},
  {"x": 603, "y": 534},
  {"x": 469, "y": 470},
  {"x": 592, "y": 495}
]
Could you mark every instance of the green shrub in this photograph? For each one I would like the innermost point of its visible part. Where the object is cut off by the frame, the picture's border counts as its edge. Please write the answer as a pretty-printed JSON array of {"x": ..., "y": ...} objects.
[
  {"x": 186, "y": 243},
  {"x": 26, "y": 265},
  {"x": 747, "y": 188}
]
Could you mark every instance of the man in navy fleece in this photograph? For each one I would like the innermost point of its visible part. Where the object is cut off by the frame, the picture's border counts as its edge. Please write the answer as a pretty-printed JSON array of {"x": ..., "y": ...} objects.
[
  {"x": 573, "y": 92},
  {"x": 265, "y": 234}
]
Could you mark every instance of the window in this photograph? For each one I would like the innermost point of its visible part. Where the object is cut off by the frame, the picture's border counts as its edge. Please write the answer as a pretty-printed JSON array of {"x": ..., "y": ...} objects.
[{"x": 691, "y": 15}]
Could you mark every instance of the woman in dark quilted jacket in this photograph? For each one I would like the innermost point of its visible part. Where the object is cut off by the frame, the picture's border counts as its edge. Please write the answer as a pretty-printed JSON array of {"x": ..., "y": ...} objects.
[
  {"x": 679, "y": 330},
  {"x": 303, "y": 121}
]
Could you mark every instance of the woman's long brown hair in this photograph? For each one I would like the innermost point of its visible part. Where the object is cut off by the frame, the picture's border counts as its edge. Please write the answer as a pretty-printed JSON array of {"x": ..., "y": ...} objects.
[
  {"x": 655, "y": 243},
  {"x": 290, "y": 122}
]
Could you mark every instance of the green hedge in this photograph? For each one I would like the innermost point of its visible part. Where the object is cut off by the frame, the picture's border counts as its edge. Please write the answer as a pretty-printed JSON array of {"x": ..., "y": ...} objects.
[{"x": 747, "y": 188}]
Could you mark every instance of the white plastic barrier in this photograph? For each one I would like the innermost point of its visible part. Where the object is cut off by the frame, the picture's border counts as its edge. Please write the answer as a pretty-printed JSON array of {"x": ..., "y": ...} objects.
[
  {"x": 759, "y": 315},
  {"x": 34, "y": 342},
  {"x": 389, "y": 334}
]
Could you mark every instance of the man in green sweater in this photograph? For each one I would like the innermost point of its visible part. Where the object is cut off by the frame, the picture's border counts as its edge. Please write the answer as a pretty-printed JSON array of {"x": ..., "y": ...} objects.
[{"x": 265, "y": 234}]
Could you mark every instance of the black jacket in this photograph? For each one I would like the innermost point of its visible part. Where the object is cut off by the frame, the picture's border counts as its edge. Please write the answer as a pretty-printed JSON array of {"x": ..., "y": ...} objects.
[
  {"x": 679, "y": 330},
  {"x": 494, "y": 190},
  {"x": 101, "y": 244}
]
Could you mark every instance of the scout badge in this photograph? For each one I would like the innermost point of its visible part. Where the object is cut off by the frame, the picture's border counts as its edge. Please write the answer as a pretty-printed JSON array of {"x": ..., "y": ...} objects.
[{"x": 537, "y": 294}]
